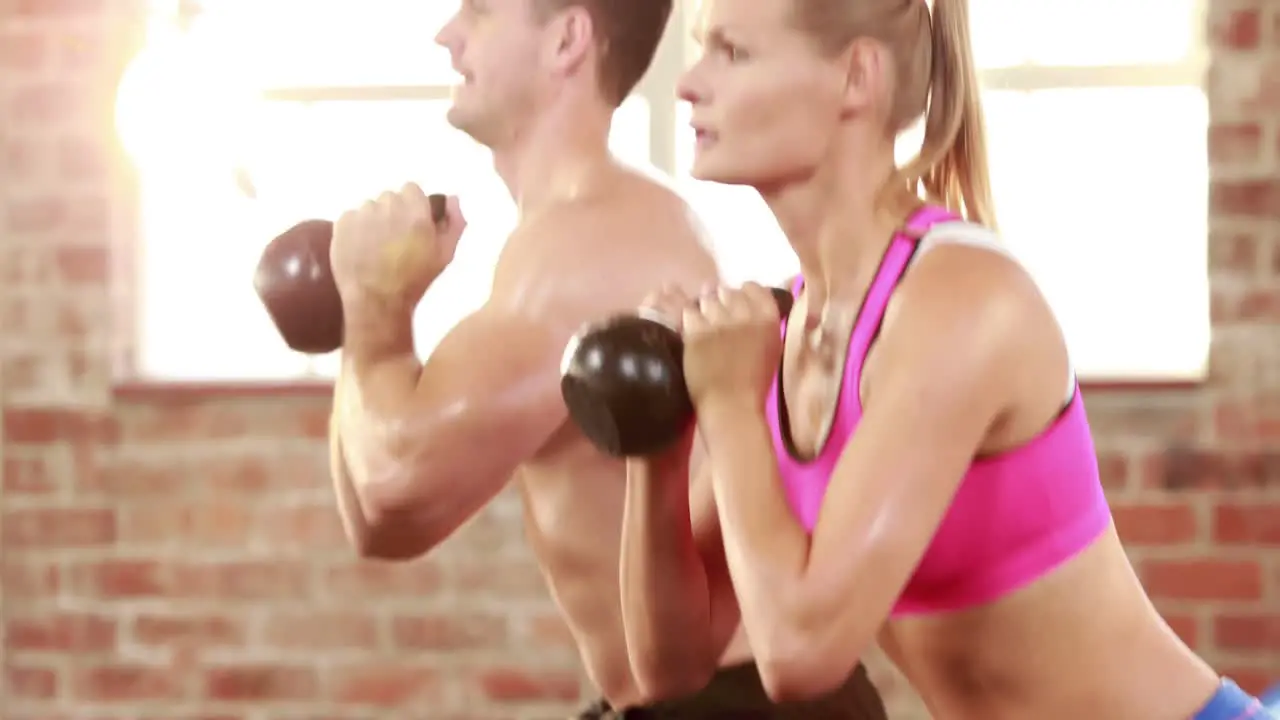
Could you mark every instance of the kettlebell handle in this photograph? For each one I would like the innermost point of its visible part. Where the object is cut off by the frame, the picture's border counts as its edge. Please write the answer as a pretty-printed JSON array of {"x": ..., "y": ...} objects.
[
  {"x": 785, "y": 301},
  {"x": 439, "y": 208}
]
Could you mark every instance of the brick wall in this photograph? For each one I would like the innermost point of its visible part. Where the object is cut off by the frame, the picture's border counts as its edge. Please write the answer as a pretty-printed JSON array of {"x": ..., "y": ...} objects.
[{"x": 175, "y": 554}]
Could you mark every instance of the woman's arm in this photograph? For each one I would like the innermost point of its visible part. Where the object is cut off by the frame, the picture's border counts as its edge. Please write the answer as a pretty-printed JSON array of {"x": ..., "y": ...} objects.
[
  {"x": 812, "y": 605},
  {"x": 677, "y": 602}
]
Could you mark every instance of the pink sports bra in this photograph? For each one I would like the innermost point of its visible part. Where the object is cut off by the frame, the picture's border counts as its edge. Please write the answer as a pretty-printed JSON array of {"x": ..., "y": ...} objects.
[{"x": 1017, "y": 515}]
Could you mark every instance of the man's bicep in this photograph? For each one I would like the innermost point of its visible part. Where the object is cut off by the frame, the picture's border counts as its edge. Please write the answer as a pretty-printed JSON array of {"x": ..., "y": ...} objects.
[{"x": 493, "y": 381}]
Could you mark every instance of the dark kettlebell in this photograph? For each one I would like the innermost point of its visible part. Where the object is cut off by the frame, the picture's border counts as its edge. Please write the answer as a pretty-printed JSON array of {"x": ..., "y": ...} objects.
[
  {"x": 295, "y": 282},
  {"x": 623, "y": 382}
]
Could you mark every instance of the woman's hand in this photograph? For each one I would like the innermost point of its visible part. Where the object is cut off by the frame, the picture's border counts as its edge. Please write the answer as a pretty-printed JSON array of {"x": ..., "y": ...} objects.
[{"x": 733, "y": 344}]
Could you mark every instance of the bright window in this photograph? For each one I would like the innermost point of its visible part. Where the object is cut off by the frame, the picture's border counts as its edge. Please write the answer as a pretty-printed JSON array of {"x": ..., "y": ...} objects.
[
  {"x": 1097, "y": 135},
  {"x": 244, "y": 125},
  {"x": 306, "y": 124}
]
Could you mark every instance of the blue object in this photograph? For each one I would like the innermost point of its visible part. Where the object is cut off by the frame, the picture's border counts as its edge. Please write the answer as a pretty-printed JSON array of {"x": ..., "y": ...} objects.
[
  {"x": 1232, "y": 703},
  {"x": 1271, "y": 698}
]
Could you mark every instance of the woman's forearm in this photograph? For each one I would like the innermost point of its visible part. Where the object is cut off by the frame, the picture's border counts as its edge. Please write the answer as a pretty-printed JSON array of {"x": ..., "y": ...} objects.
[
  {"x": 766, "y": 547},
  {"x": 666, "y": 596}
]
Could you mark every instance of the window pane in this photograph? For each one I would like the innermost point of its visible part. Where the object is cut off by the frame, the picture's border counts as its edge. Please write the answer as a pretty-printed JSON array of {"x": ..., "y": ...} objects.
[
  {"x": 1101, "y": 192},
  {"x": 201, "y": 319},
  {"x": 1083, "y": 32},
  {"x": 999, "y": 31},
  {"x": 629, "y": 136},
  {"x": 1110, "y": 32},
  {"x": 303, "y": 43},
  {"x": 1076, "y": 32}
]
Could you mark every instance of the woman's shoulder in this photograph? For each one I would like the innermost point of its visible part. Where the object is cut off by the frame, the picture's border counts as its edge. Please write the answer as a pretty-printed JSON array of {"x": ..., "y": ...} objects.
[{"x": 963, "y": 276}]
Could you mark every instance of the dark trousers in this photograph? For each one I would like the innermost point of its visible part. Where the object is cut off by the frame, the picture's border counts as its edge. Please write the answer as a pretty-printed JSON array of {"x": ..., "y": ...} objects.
[{"x": 736, "y": 693}]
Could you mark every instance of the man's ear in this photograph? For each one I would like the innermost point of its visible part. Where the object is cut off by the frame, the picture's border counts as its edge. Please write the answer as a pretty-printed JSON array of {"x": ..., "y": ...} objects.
[{"x": 570, "y": 37}]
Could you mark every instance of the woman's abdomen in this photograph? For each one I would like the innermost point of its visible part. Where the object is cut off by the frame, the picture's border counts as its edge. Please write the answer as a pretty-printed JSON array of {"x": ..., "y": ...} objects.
[{"x": 1082, "y": 641}]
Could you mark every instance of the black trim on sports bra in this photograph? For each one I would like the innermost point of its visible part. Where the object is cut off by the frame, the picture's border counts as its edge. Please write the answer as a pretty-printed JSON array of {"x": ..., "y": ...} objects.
[{"x": 784, "y": 418}]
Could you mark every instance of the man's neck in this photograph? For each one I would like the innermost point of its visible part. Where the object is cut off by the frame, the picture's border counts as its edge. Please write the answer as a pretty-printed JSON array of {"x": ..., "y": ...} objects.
[{"x": 554, "y": 156}]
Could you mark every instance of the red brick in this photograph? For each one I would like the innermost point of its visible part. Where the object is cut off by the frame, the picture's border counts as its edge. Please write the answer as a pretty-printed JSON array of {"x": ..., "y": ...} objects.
[
  {"x": 60, "y": 527},
  {"x": 1247, "y": 632},
  {"x": 130, "y": 479},
  {"x": 1255, "y": 418},
  {"x": 389, "y": 685},
  {"x": 1148, "y": 524},
  {"x": 122, "y": 682},
  {"x": 81, "y": 159},
  {"x": 23, "y": 51},
  {"x": 1114, "y": 470},
  {"x": 49, "y": 426},
  {"x": 455, "y": 631},
  {"x": 117, "y": 579},
  {"x": 501, "y": 579},
  {"x": 34, "y": 105},
  {"x": 30, "y": 682},
  {"x": 1186, "y": 627},
  {"x": 24, "y": 579},
  {"x": 521, "y": 685},
  {"x": 204, "y": 630},
  {"x": 58, "y": 9},
  {"x": 1231, "y": 143},
  {"x": 1247, "y": 305},
  {"x": 308, "y": 527},
  {"x": 1245, "y": 198},
  {"x": 61, "y": 632},
  {"x": 1251, "y": 524},
  {"x": 1253, "y": 678},
  {"x": 1237, "y": 29},
  {"x": 82, "y": 264},
  {"x": 1237, "y": 253},
  {"x": 366, "y": 582},
  {"x": 1195, "y": 579},
  {"x": 322, "y": 630},
  {"x": 241, "y": 580},
  {"x": 210, "y": 524},
  {"x": 243, "y": 683},
  {"x": 29, "y": 476},
  {"x": 1187, "y": 468}
]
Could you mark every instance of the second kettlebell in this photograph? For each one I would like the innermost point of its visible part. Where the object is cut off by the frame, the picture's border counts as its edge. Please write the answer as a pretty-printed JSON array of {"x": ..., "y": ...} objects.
[{"x": 623, "y": 383}]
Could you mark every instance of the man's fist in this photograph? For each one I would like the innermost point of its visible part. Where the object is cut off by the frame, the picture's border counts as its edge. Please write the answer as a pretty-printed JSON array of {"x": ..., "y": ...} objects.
[{"x": 390, "y": 250}]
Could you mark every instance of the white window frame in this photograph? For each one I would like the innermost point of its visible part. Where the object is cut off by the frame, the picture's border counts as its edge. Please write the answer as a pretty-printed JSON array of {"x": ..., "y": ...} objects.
[
  {"x": 658, "y": 89},
  {"x": 1188, "y": 71}
]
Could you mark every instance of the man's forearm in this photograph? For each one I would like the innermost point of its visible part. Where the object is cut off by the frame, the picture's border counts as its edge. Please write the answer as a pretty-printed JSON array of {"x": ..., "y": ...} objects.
[
  {"x": 666, "y": 596},
  {"x": 354, "y": 522},
  {"x": 373, "y": 439}
]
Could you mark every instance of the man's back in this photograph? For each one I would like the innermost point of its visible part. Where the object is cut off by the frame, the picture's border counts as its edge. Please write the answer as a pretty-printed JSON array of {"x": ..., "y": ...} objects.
[{"x": 597, "y": 253}]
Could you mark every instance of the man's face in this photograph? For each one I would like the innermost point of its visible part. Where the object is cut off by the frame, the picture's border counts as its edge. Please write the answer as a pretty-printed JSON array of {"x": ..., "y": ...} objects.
[{"x": 495, "y": 47}]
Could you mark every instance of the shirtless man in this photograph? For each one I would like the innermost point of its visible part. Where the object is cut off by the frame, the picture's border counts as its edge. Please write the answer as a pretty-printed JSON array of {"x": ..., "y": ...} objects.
[{"x": 417, "y": 448}]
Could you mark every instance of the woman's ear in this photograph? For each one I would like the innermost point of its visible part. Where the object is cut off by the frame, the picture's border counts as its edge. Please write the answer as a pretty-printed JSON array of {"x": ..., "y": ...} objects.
[{"x": 868, "y": 74}]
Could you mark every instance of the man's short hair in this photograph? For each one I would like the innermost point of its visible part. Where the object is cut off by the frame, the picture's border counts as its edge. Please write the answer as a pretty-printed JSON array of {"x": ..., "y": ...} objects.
[{"x": 628, "y": 32}]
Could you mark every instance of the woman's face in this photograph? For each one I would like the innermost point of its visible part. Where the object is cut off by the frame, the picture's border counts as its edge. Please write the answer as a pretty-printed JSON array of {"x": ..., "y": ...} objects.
[{"x": 766, "y": 103}]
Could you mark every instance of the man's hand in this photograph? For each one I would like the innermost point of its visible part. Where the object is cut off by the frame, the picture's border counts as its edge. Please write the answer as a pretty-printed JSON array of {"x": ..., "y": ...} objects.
[{"x": 389, "y": 251}]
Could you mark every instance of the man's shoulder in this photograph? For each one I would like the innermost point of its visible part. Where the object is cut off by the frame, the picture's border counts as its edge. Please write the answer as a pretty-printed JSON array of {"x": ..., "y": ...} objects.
[{"x": 584, "y": 259}]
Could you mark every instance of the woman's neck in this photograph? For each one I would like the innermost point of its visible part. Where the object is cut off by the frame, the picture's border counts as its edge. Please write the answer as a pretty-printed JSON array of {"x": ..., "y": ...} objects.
[{"x": 840, "y": 220}]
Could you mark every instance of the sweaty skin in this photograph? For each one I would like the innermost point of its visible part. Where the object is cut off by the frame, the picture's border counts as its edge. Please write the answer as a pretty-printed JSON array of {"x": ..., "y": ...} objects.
[
  {"x": 803, "y": 101},
  {"x": 419, "y": 448},
  {"x": 968, "y": 332}
]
